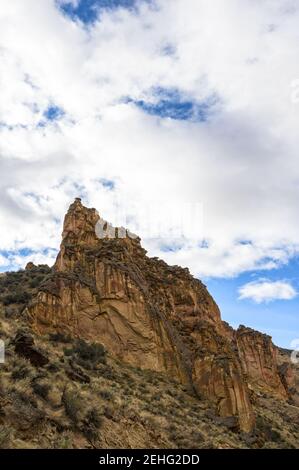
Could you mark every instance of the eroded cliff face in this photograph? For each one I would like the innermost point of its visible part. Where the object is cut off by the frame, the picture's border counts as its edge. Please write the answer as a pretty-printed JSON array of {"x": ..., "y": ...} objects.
[
  {"x": 151, "y": 315},
  {"x": 259, "y": 362},
  {"x": 289, "y": 374}
]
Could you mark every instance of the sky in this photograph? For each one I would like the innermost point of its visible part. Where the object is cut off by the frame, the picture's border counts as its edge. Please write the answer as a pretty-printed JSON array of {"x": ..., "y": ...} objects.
[{"x": 178, "y": 117}]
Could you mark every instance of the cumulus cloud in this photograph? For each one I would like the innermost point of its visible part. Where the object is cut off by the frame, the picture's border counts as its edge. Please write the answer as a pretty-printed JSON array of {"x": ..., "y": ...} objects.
[
  {"x": 241, "y": 163},
  {"x": 265, "y": 290}
]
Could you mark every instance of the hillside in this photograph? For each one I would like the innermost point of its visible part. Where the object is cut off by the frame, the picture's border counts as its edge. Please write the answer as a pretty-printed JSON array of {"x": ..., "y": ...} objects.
[{"x": 111, "y": 348}]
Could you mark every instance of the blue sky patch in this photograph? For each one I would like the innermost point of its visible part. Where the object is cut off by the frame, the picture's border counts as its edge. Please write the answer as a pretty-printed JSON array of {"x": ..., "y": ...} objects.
[
  {"x": 168, "y": 49},
  {"x": 278, "y": 319},
  {"x": 80, "y": 190},
  {"x": 170, "y": 103},
  {"x": 171, "y": 248},
  {"x": 108, "y": 184},
  {"x": 9, "y": 256},
  {"x": 53, "y": 113},
  {"x": 88, "y": 11}
]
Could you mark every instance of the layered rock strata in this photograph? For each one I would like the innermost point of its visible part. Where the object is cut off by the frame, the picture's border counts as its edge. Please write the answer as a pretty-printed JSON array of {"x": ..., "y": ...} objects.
[{"x": 151, "y": 315}]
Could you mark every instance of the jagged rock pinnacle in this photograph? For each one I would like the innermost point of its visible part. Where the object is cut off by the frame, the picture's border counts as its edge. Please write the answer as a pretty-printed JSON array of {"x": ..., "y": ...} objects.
[{"x": 153, "y": 316}]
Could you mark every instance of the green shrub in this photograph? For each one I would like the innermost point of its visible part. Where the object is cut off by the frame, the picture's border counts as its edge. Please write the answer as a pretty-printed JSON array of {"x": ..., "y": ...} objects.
[
  {"x": 53, "y": 367},
  {"x": 109, "y": 373},
  {"x": 11, "y": 312},
  {"x": 264, "y": 427},
  {"x": 59, "y": 337},
  {"x": 94, "y": 352},
  {"x": 106, "y": 394},
  {"x": 63, "y": 441},
  {"x": 26, "y": 409},
  {"x": 109, "y": 412},
  {"x": 88, "y": 355},
  {"x": 35, "y": 282},
  {"x": 20, "y": 372},
  {"x": 17, "y": 298},
  {"x": 68, "y": 351},
  {"x": 41, "y": 389},
  {"x": 72, "y": 404},
  {"x": 93, "y": 417},
  {"x": 91, "y": 424},
  {"x": 5, "y": 437}
]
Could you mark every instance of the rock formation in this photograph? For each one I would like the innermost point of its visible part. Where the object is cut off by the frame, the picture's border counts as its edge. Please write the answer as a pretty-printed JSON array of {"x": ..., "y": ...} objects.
[
  {"x": 30, "y": 266},
  {"x": 151, "y": 315},
  {"x": 289, "y": 374},
  {"x": 25, "y": 347},
  {"x": 259, "y": 361}
]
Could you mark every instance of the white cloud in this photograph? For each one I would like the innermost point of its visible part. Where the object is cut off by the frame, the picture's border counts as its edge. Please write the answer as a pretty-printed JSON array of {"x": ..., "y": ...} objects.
[
  {"x": 242, "y": 164},
  {"x": 3, "y": 261},
  {"x": 265, "y": 290}
]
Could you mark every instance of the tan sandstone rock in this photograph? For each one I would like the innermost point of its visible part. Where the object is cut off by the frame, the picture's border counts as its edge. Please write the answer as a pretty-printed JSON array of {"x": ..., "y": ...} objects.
[
  {"x": 259, "y": 361},
  {"x": 151, "y": 315}
]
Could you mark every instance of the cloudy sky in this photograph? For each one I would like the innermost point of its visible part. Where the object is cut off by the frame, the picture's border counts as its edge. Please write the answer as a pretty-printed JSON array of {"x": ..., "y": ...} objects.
[{"x": 173, "y": 113}]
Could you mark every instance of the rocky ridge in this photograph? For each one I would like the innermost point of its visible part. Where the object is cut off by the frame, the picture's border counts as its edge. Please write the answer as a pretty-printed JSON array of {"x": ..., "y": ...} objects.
[{"x": 156, "y": 317}]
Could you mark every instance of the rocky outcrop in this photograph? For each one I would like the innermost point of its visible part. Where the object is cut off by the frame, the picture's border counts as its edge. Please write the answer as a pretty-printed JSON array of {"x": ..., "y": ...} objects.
[
  {"x": 217, "y": 374},
  {"x": 259, "y": 361},
  {"x": 289, "y": 374},
  {"x": 151, "y": 315},
  {"x": 25, "y": 347},
  {"x": 98, "y": 291},
  {"x": 30, "y": 266}
]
